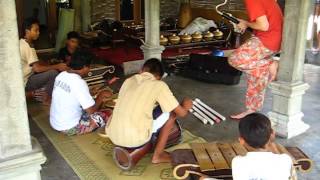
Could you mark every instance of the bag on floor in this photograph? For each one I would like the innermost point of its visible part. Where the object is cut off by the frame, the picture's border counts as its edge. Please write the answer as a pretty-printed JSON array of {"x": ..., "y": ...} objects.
[
  {"x": 211, "y": 69},
  {"x": 198, "y": 25}
]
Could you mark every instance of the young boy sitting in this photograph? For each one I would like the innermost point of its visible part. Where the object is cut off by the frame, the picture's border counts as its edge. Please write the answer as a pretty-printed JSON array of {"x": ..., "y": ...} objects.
[
  {"x": 73, "y": 110},
  {"x": 260, "y": 163},
  {"x": 72, "y": 45},
  {"x": 36, "y": 74},
  {"x": 133, "y": 124}
]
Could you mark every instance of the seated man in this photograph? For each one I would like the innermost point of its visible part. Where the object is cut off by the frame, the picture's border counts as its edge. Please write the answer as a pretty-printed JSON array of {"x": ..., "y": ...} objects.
[
  {"x": 72, "y": 46},
  {"x": 36, "y": 74},
  {"x": 132, "y": 124},
  {"x": 73, "y": 110},
  {"x": 263, "y": 160}
]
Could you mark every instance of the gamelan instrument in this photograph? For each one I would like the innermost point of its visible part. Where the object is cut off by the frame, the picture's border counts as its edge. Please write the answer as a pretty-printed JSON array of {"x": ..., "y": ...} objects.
[
  {"x": 97, "y": 73},
  {"x": 127, "y": 158},
  {"x": 214, "y": 159}
]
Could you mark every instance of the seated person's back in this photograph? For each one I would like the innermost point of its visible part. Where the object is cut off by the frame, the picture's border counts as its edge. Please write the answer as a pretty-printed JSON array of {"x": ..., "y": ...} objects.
[
  {"x": 260, "y": 163},
  {"x": 132, "y": 119},
  {"x": 136, "y": 116},
  {"x": 262, "y": 166},
  {"x": 71, "y": 95},
  {"x": 73, "y": 110}
]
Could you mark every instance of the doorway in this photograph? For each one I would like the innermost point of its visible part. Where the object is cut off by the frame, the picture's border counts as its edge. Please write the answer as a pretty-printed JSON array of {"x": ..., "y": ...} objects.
[{"x": 130, "y": 11}]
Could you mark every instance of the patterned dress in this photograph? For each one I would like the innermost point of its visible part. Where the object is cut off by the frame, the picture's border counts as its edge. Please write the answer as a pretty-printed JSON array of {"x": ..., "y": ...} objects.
[{"x": 254, "y": 59}]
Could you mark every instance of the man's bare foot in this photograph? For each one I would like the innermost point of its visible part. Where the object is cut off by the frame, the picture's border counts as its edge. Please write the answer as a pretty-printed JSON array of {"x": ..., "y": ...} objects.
[
  {"x": 242, "y": 115},
  {"x": 164, "y": 157}
]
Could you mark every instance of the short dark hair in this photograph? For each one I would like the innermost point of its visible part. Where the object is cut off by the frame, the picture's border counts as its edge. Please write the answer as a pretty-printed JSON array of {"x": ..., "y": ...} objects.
[
  {"x": 73, "y": 35},
  {"x": 255, "y": 129},
  {"x": 27, "y": 23},
  {"x": 154, "y": 66},
  {"x": 80, "y": 59}
]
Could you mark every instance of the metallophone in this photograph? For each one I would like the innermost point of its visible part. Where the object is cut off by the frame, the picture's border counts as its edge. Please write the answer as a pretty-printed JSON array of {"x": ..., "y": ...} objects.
[{"x": 214, "y": 159}]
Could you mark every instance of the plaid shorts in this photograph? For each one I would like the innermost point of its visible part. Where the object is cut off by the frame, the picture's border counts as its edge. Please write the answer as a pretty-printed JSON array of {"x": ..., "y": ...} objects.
[{"x": 99, "y": 118}]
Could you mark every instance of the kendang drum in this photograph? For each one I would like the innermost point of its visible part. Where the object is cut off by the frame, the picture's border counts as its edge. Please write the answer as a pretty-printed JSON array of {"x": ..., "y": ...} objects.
[{"x": 127, "y": 158}]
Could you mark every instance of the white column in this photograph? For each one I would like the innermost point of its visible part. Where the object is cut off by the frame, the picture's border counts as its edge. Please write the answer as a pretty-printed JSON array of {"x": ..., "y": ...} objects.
[
  {"x": 77, "y": 6},
  {"x": 85, "y": 14},
  {"x": 20, "y": 157},
  {"x": 151, "y": 47},
  {"x": 287, "y": 92}
]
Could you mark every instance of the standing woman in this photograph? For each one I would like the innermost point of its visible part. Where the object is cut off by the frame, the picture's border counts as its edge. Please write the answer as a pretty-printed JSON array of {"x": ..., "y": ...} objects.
[{"x": 254, "y": 57}]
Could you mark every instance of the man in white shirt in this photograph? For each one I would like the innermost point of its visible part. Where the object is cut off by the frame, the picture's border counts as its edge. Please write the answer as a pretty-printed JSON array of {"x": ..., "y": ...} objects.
[
  {"x": 36, "y": 74},
  {"x": 73, "y": 110},
  {"x": 262, "y": 162}
]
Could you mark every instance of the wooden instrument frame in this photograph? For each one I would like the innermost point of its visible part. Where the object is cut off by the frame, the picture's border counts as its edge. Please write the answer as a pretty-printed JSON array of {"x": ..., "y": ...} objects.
[{"x": 208, "y": 160}]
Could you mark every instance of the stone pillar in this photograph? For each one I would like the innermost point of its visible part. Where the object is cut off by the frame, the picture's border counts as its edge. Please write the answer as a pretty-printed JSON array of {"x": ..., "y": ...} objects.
[
  {"x": 20, "y": 156},
  {"x": 76, "y": 5},
  {"x": 151, "y": 47},
  {"x": 85, "y": 14},
  {"x": 287, "y": 92}
]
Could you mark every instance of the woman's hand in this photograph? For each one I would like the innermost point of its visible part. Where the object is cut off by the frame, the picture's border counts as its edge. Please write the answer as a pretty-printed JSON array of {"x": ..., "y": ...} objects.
[{"x": 242, "y": 25}]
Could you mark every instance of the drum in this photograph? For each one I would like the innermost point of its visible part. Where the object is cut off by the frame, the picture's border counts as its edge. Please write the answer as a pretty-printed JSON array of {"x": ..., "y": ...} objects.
[{"x": 127, "y": 158}]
